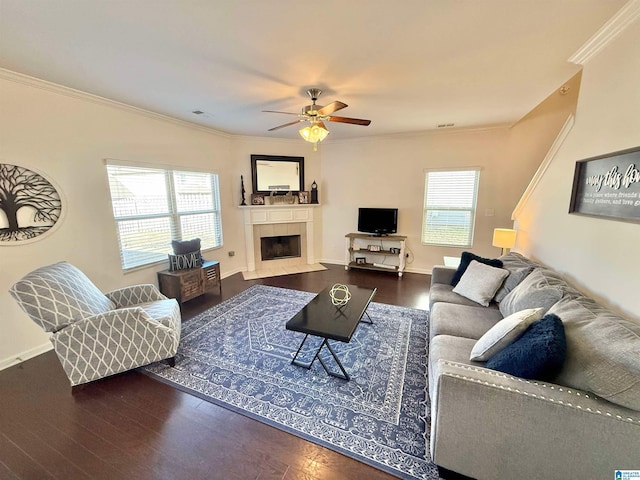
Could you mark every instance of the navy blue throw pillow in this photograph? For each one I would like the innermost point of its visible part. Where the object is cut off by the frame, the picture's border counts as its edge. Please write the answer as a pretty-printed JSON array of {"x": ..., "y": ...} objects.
[
  {"x": 538, "y": 354},
  {"x": 465, "y": 260}
]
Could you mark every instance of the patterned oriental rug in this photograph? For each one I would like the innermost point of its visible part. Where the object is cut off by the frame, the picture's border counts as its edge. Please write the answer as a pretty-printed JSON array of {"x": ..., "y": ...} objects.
[{"x": 237, "y": 355}]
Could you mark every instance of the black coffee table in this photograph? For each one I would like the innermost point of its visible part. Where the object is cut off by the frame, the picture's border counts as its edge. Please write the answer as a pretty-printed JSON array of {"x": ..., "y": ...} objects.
[{"x": 323, "y": 319}]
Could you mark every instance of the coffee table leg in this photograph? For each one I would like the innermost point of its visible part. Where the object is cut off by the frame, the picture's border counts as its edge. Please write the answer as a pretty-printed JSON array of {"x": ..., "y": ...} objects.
[
  {"x": 300, "y": 364},
  {"x": 345, "y": 375},
  {"x": 366, "y": 321}
]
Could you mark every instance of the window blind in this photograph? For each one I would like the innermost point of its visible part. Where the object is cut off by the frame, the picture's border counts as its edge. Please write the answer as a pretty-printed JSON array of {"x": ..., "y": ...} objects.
[
  {"x": 152, "y": 206},
  {"x": 449, "y": 207}
]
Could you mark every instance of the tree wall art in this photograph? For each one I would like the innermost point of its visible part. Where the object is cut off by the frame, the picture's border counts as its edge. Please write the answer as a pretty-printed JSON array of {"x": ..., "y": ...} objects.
[{"x": 29, "y": 204}]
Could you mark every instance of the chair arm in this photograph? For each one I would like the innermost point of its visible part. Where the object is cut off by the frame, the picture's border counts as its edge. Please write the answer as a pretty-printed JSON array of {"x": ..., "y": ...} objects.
[
  {"x": 135, "y": 295},
  {"x": 492, "y": 426},
  {"x": 442, "y": 274},
  {"x": 112, "y": 342}
]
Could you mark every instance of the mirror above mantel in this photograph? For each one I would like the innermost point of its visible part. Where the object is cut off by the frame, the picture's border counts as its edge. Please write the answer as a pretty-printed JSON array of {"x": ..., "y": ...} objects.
[{"x": 277, "y": 174}]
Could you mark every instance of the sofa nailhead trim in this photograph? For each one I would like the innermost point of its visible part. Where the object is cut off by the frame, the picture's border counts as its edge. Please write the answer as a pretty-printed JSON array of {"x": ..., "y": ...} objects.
[{"x": 488, "y": 372}]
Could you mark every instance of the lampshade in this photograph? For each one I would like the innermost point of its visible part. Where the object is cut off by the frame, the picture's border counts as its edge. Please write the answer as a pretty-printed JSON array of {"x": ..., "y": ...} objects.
[
  {"x": 504, "y": 238},
  {"x": 314, "y": 133}
]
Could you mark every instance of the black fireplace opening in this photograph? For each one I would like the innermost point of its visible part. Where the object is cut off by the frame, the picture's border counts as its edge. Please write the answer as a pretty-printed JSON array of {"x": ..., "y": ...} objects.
[{"x": 283, "y": 246}]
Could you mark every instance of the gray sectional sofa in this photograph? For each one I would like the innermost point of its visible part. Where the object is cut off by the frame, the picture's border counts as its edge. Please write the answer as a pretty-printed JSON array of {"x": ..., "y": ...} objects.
[{"x": 490, "y": 425}]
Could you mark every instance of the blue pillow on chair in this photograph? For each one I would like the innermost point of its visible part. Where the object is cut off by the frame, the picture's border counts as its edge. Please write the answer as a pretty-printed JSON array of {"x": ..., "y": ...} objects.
[
  {"x": 538, "y": 354},
  {"x": 465, "y": 260}
]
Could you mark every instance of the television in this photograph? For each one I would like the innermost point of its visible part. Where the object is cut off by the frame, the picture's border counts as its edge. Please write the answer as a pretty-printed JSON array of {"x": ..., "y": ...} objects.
[{"x": 378, "y": 221}]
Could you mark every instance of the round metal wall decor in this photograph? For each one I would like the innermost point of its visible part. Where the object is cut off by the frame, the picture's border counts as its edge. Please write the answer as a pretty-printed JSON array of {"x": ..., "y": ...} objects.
[{"x": 30, "y": 206}]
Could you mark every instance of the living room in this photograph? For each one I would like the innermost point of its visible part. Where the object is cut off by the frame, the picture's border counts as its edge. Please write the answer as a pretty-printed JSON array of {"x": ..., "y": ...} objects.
[{"x": 68, "y": 134}]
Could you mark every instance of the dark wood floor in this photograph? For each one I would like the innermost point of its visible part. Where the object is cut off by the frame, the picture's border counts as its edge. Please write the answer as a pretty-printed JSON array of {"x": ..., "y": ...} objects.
[{"x": 129, "y": 426}]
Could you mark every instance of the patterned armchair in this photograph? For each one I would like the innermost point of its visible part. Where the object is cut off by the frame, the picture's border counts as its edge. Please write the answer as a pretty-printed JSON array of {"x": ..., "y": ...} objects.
[{"x": 93, "y": 334}]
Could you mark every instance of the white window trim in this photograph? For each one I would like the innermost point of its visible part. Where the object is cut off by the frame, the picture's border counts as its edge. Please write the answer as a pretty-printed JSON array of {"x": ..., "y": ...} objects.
[{"x": 472, "y": 210}]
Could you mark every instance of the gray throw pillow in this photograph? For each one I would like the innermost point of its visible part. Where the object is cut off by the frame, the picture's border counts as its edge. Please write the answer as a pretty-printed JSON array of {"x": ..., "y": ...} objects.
[
  {"x": 603, "y": 351},
  {"x": 185, "y": 261},
  {"x": 503, "y": 333},
  {"x": 480, "y": 282},
  {"x": 533, "y": 292},
  {"x": 512, "y": 281},
  {"x": 183, "y": 247}
]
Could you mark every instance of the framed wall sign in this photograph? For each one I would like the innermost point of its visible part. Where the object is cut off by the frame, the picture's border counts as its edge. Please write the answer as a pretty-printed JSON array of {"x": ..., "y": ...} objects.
[{"x": 608, "y": 186}]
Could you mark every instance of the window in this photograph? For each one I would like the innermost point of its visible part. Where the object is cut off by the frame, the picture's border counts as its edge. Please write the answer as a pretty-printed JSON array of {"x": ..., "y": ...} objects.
[
  {"x": 450, "y": 207},
  {"x": 153, "y": 206}
]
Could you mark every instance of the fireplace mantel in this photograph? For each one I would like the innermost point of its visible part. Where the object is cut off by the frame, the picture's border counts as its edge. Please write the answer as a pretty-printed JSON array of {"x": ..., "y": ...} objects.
[{"x": 274, "y": 215}]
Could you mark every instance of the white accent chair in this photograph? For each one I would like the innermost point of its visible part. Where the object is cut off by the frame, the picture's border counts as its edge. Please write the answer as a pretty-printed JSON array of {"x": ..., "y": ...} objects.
[{"x": 96, "y": 334}]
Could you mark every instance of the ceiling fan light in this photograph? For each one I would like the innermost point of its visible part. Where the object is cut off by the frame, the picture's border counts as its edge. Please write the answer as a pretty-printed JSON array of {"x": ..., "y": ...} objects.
[{"x": 314, "y": 133}]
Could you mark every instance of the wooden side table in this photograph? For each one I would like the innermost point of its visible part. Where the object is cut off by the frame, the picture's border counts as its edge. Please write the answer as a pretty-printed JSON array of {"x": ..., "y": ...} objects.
[{"x": 183, "y": 285}]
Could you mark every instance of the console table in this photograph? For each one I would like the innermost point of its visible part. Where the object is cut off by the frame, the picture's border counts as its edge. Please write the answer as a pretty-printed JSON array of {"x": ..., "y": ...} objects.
[
  {"x": 190, "y": 283},
  {"x": 361, "y": 249}
]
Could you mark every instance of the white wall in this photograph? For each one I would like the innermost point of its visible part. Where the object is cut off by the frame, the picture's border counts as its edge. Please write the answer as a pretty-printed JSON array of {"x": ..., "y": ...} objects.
[
  {"x": 67, "y": 137},
  {"x": 601, "y": 255},
  {"x": 390, "y": 172}
]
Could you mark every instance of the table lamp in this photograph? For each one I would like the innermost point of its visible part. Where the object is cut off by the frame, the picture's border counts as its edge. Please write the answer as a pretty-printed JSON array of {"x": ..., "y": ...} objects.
[{"x": 504, "y": 238}]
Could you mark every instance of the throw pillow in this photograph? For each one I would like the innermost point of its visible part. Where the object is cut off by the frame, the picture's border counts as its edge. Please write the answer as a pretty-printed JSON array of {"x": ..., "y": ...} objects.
[
  {"x": 182, "y": 247},
  {"x": 603, "y": 351},
  {"x": 480, "y": 282},
  {"x": 465, "y": 260},
  {"x": 533, "y": 292},
  {"x": 184, "y": 261},
  {"x": 537, "y": 355},
  {"x": 512, "y": 281},
  {"x": 503, "y": 333}
]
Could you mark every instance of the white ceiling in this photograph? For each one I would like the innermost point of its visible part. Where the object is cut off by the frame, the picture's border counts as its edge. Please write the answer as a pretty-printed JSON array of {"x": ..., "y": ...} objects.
[{"x": 407, "y": 65}]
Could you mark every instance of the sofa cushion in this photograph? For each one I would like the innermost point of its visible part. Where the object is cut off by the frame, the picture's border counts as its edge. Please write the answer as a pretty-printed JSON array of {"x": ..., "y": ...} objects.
[
  {"x": 448, "y": 348},
  {"x": 57, "y": 295},
  {"x": 603, "y": 351},
  {"x": 538, "y": 354},
  {"x": 533, "y": 292},
  {"x": 480, "y": 282},
  {"x": 465, "y": 260},
  {"x": 515, "y": 261},
  {"x": 513, "y": 280},
  {"x": 504, "y": 333},
  {"x": 441, "y": 293},
  {"x": 462, "y": 320}
]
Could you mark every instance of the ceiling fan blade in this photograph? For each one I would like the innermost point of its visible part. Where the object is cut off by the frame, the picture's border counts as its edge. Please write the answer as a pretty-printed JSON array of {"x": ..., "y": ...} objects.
[
  {"x": 354, "y": 121},
  {"x": 285, "y": 125},
  {"x": 275, "y": 111},
  {"x": 332, "y": 107}
]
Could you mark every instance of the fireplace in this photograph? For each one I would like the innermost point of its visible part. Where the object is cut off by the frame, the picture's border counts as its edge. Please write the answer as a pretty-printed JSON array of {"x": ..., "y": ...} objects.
[
  {"x": 283, "y": 246},
  {"x": 280, "y": 222}
]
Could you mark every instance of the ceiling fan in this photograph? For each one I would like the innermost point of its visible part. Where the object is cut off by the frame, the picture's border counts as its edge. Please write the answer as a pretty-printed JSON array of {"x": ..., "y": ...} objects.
[{"x": 316, "y": 115}]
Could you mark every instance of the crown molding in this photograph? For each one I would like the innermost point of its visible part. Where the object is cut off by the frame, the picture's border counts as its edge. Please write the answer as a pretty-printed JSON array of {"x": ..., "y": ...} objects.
[
  {"x": 89, "y": 97},
  {"x": 616, "y": 24}
]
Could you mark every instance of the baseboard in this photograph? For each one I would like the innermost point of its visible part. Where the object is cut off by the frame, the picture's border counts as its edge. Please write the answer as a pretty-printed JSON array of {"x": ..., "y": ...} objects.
[
  {"x": 224, "y": 275},
  {"x": 26, "y": 355}
]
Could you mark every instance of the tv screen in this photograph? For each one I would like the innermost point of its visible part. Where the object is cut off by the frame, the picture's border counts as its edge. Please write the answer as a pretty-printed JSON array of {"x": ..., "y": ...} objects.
[{"x": 378, "y": 221}]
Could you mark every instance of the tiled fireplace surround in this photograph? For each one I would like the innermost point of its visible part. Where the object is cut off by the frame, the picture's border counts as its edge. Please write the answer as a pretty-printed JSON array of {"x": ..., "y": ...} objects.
[{"x": 270, "y": 221}]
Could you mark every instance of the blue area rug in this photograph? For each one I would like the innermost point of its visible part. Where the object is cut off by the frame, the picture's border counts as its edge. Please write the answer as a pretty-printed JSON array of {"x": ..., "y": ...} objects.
[{"x": 237, "y": 354}]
